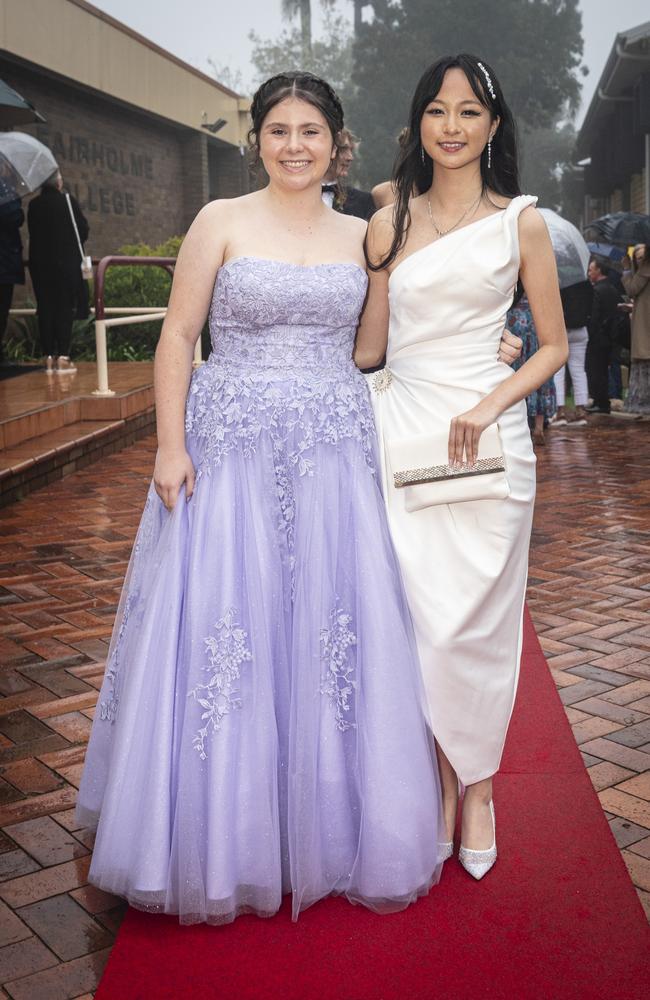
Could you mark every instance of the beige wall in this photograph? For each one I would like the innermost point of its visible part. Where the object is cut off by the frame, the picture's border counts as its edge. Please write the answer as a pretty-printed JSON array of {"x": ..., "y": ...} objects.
[{"x": 70, "y": 38}]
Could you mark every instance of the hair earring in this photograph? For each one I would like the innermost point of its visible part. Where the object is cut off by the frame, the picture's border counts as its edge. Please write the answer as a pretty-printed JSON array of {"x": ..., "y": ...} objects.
[
  {"x": 422, "y": 155},
  {"x": 489, "y": 163}
]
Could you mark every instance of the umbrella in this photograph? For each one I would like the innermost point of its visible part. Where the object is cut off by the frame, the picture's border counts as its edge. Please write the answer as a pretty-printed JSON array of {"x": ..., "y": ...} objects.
[
  {"x": 569, "y": 247},
  {"x": 16, "y": 110},
  {"x": 621, "y": 228},
  {"x": 607, "y": 251},
  {"x": 24, "y": 164}
]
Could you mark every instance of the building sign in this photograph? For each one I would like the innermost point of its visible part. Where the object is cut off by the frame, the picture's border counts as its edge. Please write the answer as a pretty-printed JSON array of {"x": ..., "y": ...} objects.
[{"x": 113, "y": 195}]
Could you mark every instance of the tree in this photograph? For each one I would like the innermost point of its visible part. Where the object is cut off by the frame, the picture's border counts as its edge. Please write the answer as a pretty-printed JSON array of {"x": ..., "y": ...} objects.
[
  {"x": 535, "y": 47},
  {"x": 226, "y": 75},
  {"x": 545, "y": 160},
  {"x": 330, "y": 56},
  {"x": 303, "y": 7},
  {"x": 358, "y": 14}
]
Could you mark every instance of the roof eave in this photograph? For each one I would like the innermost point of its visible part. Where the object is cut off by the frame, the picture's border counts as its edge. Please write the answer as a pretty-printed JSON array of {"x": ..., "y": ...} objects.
[{"x": 600, "y": 94}]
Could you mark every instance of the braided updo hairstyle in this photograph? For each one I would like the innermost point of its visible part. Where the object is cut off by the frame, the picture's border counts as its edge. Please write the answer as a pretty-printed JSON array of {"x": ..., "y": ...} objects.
[{"x": 304, "y": 87}]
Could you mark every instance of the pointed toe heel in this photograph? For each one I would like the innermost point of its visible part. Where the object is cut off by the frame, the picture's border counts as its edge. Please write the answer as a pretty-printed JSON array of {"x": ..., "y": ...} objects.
[{"x": 478, "y": 863}]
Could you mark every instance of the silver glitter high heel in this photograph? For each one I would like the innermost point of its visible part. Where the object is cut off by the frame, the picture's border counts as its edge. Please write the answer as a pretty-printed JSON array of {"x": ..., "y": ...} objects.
[{"x": 478, "y": 863}]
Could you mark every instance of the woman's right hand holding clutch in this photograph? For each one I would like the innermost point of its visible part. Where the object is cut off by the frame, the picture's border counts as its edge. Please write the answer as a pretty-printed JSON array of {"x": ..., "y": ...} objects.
[{"x": 171, "y": 471}]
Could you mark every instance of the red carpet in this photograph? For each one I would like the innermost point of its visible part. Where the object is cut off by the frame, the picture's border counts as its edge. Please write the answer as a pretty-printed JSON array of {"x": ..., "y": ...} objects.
[{"x": 557, "y": 919}]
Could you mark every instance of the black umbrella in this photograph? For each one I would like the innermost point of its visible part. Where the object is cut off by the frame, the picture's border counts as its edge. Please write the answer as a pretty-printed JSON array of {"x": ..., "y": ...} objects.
[
  {"x": 621, "y": 228},
  {"x": 16, "y": 110}
]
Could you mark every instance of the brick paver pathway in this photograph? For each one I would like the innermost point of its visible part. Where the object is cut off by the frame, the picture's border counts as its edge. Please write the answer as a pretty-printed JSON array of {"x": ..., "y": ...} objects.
[
  {"x": 589, "y": 595},
  {"x": 65, "y": 550}
]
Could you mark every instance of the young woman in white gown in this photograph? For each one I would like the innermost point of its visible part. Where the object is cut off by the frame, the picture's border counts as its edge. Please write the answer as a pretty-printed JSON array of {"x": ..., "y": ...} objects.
[{"x": 444, "y": 266}]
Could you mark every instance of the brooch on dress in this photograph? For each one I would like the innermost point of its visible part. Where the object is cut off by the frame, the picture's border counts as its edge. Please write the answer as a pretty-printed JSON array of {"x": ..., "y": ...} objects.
[{"x": 382, "y": 379}]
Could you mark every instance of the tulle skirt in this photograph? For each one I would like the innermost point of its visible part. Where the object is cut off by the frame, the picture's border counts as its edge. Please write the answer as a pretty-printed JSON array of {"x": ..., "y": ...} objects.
[{"x": 260, "y": 728}]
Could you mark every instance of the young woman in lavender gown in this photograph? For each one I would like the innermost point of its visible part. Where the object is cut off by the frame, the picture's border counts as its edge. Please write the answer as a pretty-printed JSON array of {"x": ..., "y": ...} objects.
[
  {"x": 444, "y": 266},
  {"x": 260, "y": 727}
]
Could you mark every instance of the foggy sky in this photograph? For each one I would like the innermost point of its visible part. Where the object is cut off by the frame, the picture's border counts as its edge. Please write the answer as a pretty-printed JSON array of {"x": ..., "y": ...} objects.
[{"x": 196, "y": 30}]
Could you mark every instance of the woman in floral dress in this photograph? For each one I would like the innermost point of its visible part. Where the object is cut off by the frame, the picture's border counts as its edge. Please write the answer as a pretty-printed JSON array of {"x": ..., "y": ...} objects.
[{"x": 541, "y": 404}]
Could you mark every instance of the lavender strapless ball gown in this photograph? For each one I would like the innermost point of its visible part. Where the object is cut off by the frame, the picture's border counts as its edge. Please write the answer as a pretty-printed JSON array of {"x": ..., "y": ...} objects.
[{"x": 259, "y": 730}]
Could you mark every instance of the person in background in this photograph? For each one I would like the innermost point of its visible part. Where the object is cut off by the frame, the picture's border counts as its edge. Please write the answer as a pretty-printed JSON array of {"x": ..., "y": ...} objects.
[
  {"x": 636, "y": 281},
  {"x": 12, "y": 271},
  {"x": 577, "y": 304},
  {"x": 615, "y": 380},
  {"x": 336, "y": 194},
  {"x": 384, "y": 193},
  {"x": 54, "y": 266},
  {"x": 614, "y": 277},
  {"x": 621, "y": 336},
  {"x": 541, "y": 404},
  {"x": 604, "y": 316}
]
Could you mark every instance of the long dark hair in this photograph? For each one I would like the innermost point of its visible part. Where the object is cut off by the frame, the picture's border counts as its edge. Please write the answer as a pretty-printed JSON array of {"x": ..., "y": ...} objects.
[
  {"x": 305, "y": 87},
  {"x": 414, "y": 172}
]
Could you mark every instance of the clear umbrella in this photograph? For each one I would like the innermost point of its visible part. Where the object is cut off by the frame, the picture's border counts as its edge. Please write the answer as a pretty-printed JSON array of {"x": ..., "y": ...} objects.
[
  {"x": 571, "y": 251},
  {"x": 24, "y": 164}
]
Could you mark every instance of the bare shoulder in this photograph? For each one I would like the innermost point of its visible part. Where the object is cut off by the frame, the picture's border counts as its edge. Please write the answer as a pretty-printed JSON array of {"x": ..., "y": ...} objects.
[
  {"x": 502, "y": 201},
  {"x": 535, "y": 247},
  {"x": 383, "y": 194},
  {"x": 210, "y": 219},
  {"x": 383, "y": 218},
  {"x": 205, "y": 243},
  {"x": 532, "y": 227},
  {"x": 223, "y": 209},
  {"x": 215, "y": 224}
]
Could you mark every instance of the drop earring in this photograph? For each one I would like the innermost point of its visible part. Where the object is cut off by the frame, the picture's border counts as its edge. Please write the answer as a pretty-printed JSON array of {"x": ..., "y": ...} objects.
[
  {"x": 489, "y": 148},
  {"x": 422, "y": 156}
]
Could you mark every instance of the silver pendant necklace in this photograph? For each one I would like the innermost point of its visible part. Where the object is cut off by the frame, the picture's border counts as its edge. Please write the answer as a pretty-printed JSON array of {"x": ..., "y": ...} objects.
[{"x": 443, "y": 232}]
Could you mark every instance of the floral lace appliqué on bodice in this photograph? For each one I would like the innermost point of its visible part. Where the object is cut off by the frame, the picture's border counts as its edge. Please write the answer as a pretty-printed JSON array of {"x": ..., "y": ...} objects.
[{"x": 281, "y": 364}]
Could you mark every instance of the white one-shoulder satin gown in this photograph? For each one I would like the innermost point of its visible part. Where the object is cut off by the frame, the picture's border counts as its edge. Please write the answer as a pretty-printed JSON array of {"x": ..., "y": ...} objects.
[{"x": 464, "y": 564}]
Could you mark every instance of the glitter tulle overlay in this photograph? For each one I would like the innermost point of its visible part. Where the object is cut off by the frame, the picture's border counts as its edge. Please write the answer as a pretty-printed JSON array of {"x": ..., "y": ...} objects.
[{"x": 259, "y": 730}]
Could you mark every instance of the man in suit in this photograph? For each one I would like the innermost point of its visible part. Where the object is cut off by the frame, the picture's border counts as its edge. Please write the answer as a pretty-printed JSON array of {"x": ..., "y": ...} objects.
[
  {"x": 601, "y": 326},
  {"x": 336, "y": 194}
]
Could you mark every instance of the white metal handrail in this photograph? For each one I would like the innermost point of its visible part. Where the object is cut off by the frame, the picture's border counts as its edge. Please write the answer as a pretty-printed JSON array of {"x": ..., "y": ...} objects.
[
  {"x": 120, "y": 316},
  {"x": 101, "y": 326},
  {"x": 116, "y": 310}
]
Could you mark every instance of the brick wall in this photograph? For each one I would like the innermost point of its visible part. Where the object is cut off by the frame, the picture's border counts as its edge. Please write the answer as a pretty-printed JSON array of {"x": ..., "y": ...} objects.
[
  {"x": 137, "y": 179},
  {"x": 616, "y": 201},
  {"x": 227, "y": 171},
  {"x": 195, "y": 186},
  {"x": 637, "y": 192}
]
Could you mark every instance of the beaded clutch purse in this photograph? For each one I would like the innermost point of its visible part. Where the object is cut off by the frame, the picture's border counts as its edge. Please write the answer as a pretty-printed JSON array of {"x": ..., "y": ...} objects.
[{"x": 420, "y": 468}]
